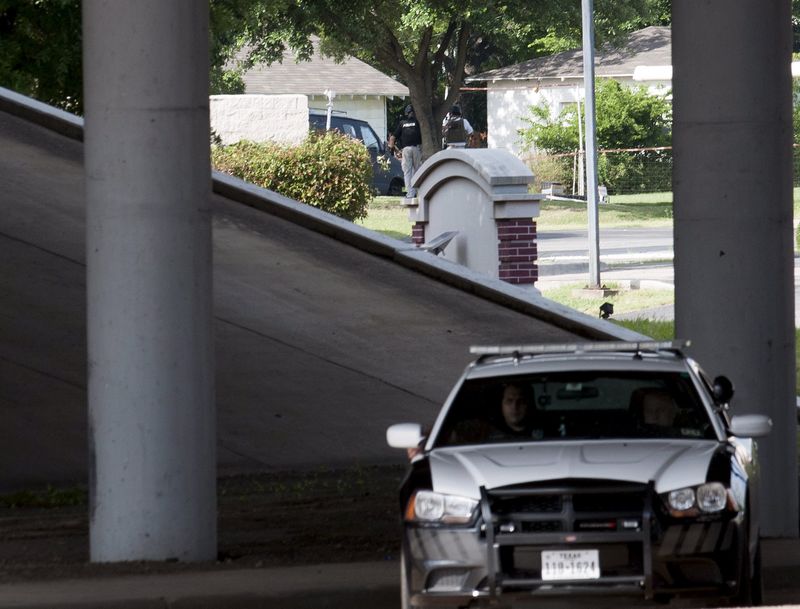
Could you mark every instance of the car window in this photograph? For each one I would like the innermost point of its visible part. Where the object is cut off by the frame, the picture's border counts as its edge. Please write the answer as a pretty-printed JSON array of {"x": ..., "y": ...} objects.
[
  {"x": 576, "y": 405},
  {"x": 350, "y": 130},
  {"x": 369, "y": 137}
]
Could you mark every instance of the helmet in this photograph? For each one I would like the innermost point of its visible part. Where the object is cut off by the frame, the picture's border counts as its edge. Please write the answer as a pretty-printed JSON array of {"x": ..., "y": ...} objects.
[
  {"x": 455, "y": 109},
  {"x": 409, "y": 110}
]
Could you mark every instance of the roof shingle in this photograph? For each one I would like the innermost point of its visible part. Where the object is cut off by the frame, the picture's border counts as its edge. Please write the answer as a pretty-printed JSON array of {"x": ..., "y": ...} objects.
[
  {"x": 352, "y": 77},
  {"x": 651, "y": 46}
]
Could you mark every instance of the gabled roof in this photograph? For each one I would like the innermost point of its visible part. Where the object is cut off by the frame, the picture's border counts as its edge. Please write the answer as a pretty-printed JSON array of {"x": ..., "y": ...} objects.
[
  {"x": 313, "y": 77},
  {"x": 651, "y": 46}
]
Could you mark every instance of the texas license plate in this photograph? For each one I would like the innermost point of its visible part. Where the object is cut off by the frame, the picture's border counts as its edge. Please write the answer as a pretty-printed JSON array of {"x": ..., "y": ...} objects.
[{"x": 570, "y": 564}]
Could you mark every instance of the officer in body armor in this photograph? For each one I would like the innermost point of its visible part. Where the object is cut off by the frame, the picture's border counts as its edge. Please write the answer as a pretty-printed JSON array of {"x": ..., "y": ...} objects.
[
  {"x": 455, "y": 129},
  {"x": 407, "y": 138}
]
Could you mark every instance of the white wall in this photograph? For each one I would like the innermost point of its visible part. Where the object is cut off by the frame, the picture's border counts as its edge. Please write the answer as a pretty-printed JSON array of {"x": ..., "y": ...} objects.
[
  {"x": 509, "y": 101},
  {"x": 260, "y": 118},
  {"x": 372, "y": 109}
]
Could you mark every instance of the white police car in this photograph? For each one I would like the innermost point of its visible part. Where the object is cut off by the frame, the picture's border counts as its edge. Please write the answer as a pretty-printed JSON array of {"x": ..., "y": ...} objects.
[{"x": 591, "y": 468}]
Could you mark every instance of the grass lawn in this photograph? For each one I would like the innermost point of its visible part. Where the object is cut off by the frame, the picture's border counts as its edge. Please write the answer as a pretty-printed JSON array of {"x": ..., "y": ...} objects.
[
  {"x": 625, "y": 301},
  {"x": 387, "y": 215}
]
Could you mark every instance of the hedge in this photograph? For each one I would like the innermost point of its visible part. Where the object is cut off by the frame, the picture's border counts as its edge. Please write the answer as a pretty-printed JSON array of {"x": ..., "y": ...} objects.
[{"x": 330, "y": 171}]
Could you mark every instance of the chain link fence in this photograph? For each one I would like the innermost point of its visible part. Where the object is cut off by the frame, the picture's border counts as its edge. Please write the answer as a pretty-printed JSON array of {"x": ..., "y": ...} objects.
[{"x": 621, "y": 171}]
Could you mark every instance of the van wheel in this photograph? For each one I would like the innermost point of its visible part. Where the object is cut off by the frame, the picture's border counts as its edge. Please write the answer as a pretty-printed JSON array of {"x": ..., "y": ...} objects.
[{"x": 395, "y": 188}]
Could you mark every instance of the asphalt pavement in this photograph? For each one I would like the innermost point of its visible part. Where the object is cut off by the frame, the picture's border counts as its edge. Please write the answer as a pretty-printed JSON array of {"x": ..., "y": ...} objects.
[{"x": 332, "y": 586}]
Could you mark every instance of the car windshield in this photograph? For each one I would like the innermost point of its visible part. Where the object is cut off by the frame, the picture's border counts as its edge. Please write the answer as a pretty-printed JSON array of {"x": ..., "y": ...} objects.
[{"x": 575, "y": 405}]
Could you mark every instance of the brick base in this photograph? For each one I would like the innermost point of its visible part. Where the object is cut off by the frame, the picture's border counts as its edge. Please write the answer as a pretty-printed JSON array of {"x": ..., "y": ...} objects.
[
  {"x": 517, "y": 251},
  {"x": 418, "y": 233}
]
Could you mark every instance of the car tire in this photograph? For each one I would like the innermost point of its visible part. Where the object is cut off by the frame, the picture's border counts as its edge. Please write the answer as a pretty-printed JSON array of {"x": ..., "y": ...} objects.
[
  {"x": 751, "y": 591},
  {"x": 405, "y": 602},
  {"x": 395, "y": 188}
]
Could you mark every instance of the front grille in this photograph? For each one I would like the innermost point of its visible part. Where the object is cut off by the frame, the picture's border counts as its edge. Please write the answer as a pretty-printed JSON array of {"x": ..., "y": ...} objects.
[
  {"x": 609, "y": 502},
  {"x": 576, "y": 506},
  {"x": 583, "y": 514},
  {"x": 527, "y": 504},
  {"x": 542, "y": 526}
]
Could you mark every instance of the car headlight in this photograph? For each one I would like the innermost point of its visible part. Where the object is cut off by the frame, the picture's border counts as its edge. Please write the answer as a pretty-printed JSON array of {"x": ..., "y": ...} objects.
[
  {"x": 707, "y": 498},
  {"x": 428, "y": 506},
  {"x": 682, "y": 499}
]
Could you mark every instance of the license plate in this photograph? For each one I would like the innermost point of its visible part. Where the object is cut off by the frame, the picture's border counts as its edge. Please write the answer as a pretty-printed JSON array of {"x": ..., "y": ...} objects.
[{"x": 570, "y": 564}]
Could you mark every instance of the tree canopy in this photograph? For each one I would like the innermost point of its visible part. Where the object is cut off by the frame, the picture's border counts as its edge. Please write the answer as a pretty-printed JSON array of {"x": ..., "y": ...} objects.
[
  {"x": 40, "y": 51},
  {"x": 429, "y": 45}
]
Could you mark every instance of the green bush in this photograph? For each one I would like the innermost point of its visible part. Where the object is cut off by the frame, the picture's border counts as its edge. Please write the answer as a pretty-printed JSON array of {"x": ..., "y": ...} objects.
[
  {"x": 627, "y": 117},
  {"x": 330, "y": 171}
]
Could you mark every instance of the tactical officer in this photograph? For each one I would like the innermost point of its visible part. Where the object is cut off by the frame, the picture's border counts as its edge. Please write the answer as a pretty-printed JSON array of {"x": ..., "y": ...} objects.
[{"x": 408, "y": 139}]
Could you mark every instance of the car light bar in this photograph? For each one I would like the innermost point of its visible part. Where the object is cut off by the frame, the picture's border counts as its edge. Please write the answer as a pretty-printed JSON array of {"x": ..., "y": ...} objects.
[{"x": 652, "y": 345}]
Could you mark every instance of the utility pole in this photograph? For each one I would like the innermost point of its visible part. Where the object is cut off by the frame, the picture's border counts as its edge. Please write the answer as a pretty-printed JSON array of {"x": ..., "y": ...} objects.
[
  {"x": 591, "y": 144},
  {"x": 581, "y": 181}
]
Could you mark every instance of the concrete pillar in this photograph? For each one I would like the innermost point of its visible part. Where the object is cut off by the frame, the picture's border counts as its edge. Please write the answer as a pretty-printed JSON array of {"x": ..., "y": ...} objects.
[
  {"x": 151, "y": 407},
  {"x": 732, "y": 185}
]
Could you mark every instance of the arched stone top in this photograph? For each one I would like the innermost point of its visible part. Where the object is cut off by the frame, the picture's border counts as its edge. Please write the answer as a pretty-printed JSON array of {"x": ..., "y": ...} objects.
[
  {"x": 495, "y": 167},
  {"x": 501, "y": 178}
]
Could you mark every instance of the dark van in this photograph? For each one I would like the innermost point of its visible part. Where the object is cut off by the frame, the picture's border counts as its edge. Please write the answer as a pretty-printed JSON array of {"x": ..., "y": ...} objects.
[{"x": 385, "y": 182}]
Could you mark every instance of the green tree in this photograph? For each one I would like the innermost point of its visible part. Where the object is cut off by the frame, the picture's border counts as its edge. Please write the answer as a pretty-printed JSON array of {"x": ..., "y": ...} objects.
[
  {"x": 41, "y": 54},
  {"x": 430, "y": 45},
  {"x": 40, "y": 50},
  {"x": 626, "y": 117}
]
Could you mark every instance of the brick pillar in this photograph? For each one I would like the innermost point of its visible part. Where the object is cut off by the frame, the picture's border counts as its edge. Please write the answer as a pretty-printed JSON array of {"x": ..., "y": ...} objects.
[
  {"x": 516, "y": 251},
  {"x": 418, "y": 233}
]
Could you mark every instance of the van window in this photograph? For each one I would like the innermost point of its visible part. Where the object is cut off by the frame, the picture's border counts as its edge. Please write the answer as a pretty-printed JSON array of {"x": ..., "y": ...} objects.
[
  {"x": 350, "y": 130},
  {"x": 369, "y": 138}
]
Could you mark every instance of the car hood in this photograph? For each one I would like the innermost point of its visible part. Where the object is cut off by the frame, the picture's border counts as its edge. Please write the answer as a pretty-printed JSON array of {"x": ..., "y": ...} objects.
[{"x": 670, "y": 464}]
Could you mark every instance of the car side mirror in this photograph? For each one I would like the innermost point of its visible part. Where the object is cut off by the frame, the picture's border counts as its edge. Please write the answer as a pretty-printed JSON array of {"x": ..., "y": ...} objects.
[
  {"x": 750, "y": 425},
  {"x": 723, "y": 390},
  {"x": 404, "y": 435}
]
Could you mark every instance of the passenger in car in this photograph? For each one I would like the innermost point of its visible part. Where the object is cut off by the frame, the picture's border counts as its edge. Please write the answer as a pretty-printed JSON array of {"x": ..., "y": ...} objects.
[{"x": 657, "y": 411}]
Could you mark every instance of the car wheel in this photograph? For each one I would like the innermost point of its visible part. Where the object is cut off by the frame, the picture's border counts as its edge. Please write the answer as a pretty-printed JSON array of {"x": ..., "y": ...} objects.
[
  {"x": 395, "y": 188},
  {"x": 405, "y": 603},
  {"x": 751, "y": 590}
]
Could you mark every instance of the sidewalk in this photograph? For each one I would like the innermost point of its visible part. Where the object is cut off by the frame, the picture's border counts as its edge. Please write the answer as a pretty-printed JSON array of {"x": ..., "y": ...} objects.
[{"x": 352, "y": 585}]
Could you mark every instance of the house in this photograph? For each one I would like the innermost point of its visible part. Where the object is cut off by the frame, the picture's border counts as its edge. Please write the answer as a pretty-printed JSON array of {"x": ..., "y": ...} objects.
[
  {"x": 360, "y": 91},
  {"x": 645, "y": 58}
]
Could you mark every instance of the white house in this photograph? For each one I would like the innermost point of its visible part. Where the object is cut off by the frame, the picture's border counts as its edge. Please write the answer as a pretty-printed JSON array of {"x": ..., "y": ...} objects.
[
  {"x": 645, "y": 59},
  {"x": 360, "y": 90}
]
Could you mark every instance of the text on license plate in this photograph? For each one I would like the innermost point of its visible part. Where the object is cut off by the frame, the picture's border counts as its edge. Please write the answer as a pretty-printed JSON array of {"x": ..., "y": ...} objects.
[{"x": 570, "y": 564}]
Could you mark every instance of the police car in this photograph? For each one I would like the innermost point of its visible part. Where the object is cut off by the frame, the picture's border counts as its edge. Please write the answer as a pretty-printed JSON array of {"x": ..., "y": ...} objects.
[{"x": 597, "y": 468}]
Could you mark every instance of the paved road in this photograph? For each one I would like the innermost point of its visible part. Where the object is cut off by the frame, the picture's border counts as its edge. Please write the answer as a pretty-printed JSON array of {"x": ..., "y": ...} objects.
[
  {"x": 640, "y": 255},
  {"x": 614, "y": 242},
  {"x": 359, "y": 585}
]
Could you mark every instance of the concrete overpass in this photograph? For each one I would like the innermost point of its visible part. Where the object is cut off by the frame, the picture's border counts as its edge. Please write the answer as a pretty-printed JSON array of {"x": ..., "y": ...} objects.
[{"x": 325, "y": 333}]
